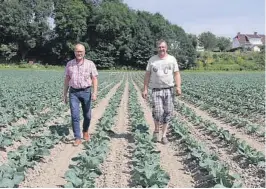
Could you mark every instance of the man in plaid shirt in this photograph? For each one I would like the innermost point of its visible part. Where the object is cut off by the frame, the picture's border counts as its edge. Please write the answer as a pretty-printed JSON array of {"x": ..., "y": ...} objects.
[
  {"x": 80, "y": 75},
  {"x": 162, "y": 73}
]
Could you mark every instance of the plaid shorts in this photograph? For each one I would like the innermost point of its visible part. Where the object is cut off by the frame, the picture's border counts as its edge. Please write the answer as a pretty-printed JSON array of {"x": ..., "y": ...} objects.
[{"x": 162, "y": 104}]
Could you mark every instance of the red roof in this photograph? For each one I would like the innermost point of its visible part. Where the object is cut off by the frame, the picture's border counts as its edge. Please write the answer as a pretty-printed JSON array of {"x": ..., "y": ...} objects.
[{"x": 244, "y": 38}]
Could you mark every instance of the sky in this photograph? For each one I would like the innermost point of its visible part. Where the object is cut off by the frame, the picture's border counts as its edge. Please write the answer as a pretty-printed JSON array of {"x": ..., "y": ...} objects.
[{"x": 221, "y": 17}]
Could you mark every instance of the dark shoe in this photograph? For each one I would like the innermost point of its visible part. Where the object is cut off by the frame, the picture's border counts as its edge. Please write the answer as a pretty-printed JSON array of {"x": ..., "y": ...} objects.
[
  {"x": 86, "y": 136},
  {"x": 164, "y": 140},
  {"x": 77, "y": 142},
  {"x": 155, "y": 137}
]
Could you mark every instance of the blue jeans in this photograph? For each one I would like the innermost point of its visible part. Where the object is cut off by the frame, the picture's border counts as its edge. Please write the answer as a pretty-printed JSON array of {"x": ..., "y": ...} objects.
[{"x": 77, "y": 96}]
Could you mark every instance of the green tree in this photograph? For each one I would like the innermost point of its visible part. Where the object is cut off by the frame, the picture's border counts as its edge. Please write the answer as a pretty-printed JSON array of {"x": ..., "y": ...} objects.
[
  {"x": 24, "y": 23},
  {"x": 208, "y": 40},
  {"x": 70, "y": 26},
  {"x": 183, "y": 49},
  {"x": 111, "y": 34},
  {"x": 8, "y": 51},
  {"x": 223, "y": 43},
  {"x": 193, "y": 40},
  {"x": 143, "y": 40}
]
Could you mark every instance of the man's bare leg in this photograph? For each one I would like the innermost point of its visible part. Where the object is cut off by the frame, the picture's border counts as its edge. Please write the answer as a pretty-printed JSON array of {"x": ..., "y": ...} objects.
[
  {"x": 157, "y": 126},
  {"x": 164, "y": 130},
  {"x": 156, "y": 131}
]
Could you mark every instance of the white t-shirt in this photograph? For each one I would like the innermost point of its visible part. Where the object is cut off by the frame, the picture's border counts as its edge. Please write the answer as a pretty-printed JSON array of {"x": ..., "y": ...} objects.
[{"x": 162, "y": 71}]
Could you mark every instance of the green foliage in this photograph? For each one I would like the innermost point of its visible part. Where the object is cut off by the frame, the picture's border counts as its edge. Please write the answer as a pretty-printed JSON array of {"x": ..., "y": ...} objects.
[
  {"x": 230, "y": 61},
  {"x": 218, "y": 172},
  {"x": 223, "y": 43},
  {"x": 146, "y": 160},
  {"x": 8, "y": 51},
  {"x": 193, "y": 40},
  {"x": 70, "y": 26},
  {"x": 243, "y": 106},
  {"x": 86, "y": 165},
  {"x": 208, "y": 40},
  {"x": 24, "y": 23},
  {"x": 114, "y": 35},
  {"x": 39, "y": 128}
]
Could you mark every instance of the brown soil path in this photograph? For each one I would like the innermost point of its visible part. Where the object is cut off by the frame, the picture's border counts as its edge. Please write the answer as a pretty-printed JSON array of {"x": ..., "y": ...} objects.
[
  {"x": 260, "y": 146},
  {"x": 51, "y": 174},
  {"x": 116, "y": 168},
  {"x": 169, "y": 161}
]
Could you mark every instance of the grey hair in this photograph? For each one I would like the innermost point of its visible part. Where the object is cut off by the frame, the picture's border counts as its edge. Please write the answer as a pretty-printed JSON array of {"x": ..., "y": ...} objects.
[{"x": 161, "y": 41}]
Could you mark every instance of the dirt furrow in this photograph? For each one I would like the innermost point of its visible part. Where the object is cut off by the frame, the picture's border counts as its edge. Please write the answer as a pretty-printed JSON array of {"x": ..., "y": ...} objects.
[
  {"x": 22, "y": 140},
  {"x": 169, "y": 160},
  {"x": 254, "y": 143},
  {"x": 250, "y": 175},
  {"x": 116, "y": 168},
  {"x": 51, "y": 174}
]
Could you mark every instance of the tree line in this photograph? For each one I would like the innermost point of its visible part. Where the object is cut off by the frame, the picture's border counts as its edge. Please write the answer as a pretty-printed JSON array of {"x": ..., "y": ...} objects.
[
  {"x": 114, "y": 35},
  {"x": 211, "y": 42}
]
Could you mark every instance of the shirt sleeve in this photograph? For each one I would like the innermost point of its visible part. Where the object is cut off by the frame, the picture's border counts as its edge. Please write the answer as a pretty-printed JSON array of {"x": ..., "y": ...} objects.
[
  {"x": 94, "y": 72},
  {"x": 148, "y": 67},
  {"x": 176, "y": 67}
]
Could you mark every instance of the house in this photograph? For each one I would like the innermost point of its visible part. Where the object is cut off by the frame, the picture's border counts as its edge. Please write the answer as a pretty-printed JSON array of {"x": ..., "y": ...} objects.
[
  {"x": 252, "y": 42},
  {"x": 199, "y": 47}
]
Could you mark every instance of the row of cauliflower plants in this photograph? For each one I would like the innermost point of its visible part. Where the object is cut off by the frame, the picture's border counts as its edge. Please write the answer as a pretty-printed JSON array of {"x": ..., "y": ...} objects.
[
  {"x": 218, "y": 174},
  {"x": 86, "y": 166},
  {"x": 146, "y": 159}
]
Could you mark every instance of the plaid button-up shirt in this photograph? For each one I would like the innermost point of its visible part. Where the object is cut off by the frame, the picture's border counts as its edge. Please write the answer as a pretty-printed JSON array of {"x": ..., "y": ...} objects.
[{"x": 80, "y": 74}]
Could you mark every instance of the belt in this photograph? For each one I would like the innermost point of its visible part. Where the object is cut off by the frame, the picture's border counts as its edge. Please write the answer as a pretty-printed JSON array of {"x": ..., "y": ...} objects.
[
  {"x": 80, "y": 89},
  {"x": 158, "y": 89}
]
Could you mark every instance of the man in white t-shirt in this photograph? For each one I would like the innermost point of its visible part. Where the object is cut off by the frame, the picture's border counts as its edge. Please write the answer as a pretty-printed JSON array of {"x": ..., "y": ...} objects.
[{"x": 163, "y": 77}]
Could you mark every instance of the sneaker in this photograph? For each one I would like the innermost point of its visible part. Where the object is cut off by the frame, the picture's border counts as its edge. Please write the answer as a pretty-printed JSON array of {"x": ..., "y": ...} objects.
[
  {"x": 164, "y": 140},
  {"x": 155, "y": 137}
]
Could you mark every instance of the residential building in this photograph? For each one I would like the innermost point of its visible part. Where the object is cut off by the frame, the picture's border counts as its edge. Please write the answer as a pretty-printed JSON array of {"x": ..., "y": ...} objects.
[{"x": 252, "y": 42}]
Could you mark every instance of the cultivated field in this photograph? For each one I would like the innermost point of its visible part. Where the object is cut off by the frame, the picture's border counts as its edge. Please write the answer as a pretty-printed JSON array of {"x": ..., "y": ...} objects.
[{"x": 216, "y": 135}]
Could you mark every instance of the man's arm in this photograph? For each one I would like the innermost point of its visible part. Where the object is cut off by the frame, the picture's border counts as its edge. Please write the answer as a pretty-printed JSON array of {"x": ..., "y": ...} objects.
[
  {"x": 66, "y": 80},
  {"x": 177, "y": 79},
  {"x": 94, "y": 78},
  {"x": 66, "y": 83},
  {"x": 95, "y": 85},
  {"x": 146, "y": 80}
]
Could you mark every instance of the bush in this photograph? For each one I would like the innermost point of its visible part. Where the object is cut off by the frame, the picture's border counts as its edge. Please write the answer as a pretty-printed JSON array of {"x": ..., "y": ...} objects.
[{"x": 231, "y": 61}]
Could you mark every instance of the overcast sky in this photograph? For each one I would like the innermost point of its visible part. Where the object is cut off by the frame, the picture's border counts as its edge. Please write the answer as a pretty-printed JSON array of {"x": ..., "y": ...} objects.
[{"x": 221, "y": 17}]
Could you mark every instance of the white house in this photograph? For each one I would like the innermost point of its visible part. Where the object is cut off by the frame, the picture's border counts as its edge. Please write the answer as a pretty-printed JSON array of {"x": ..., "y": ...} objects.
[
  {"x": 249, "y": 41},
  {"x": 199, "y": 48}
]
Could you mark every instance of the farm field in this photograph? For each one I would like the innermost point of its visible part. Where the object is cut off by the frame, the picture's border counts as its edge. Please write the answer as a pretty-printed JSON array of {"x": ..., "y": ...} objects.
[{"x": 217, "y": 134}]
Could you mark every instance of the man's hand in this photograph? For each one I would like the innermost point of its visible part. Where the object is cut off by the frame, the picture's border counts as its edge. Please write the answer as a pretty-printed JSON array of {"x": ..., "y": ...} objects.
[
  {"x": 144, "y": 94},
  {"x": 94, "y": 96},
  {"x": 65, "y": 100},
  {"x": 178, "y": 91}
]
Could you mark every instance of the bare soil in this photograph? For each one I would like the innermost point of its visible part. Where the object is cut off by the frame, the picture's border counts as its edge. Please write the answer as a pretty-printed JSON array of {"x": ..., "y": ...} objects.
[
  {"x": 251, "y": 176},
  {"x": 21, "y": 141},
  {"x": 116, "y": 168},
  {"x": 50, "y": 173},
  {"x": 13, "y": 147},
  {"x": 169, "y": 161},
  {"x": 253, "y": 142}
]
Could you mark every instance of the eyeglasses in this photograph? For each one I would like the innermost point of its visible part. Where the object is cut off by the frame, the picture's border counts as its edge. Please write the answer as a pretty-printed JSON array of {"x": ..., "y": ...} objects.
[{"x": 79, "y": 51}]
